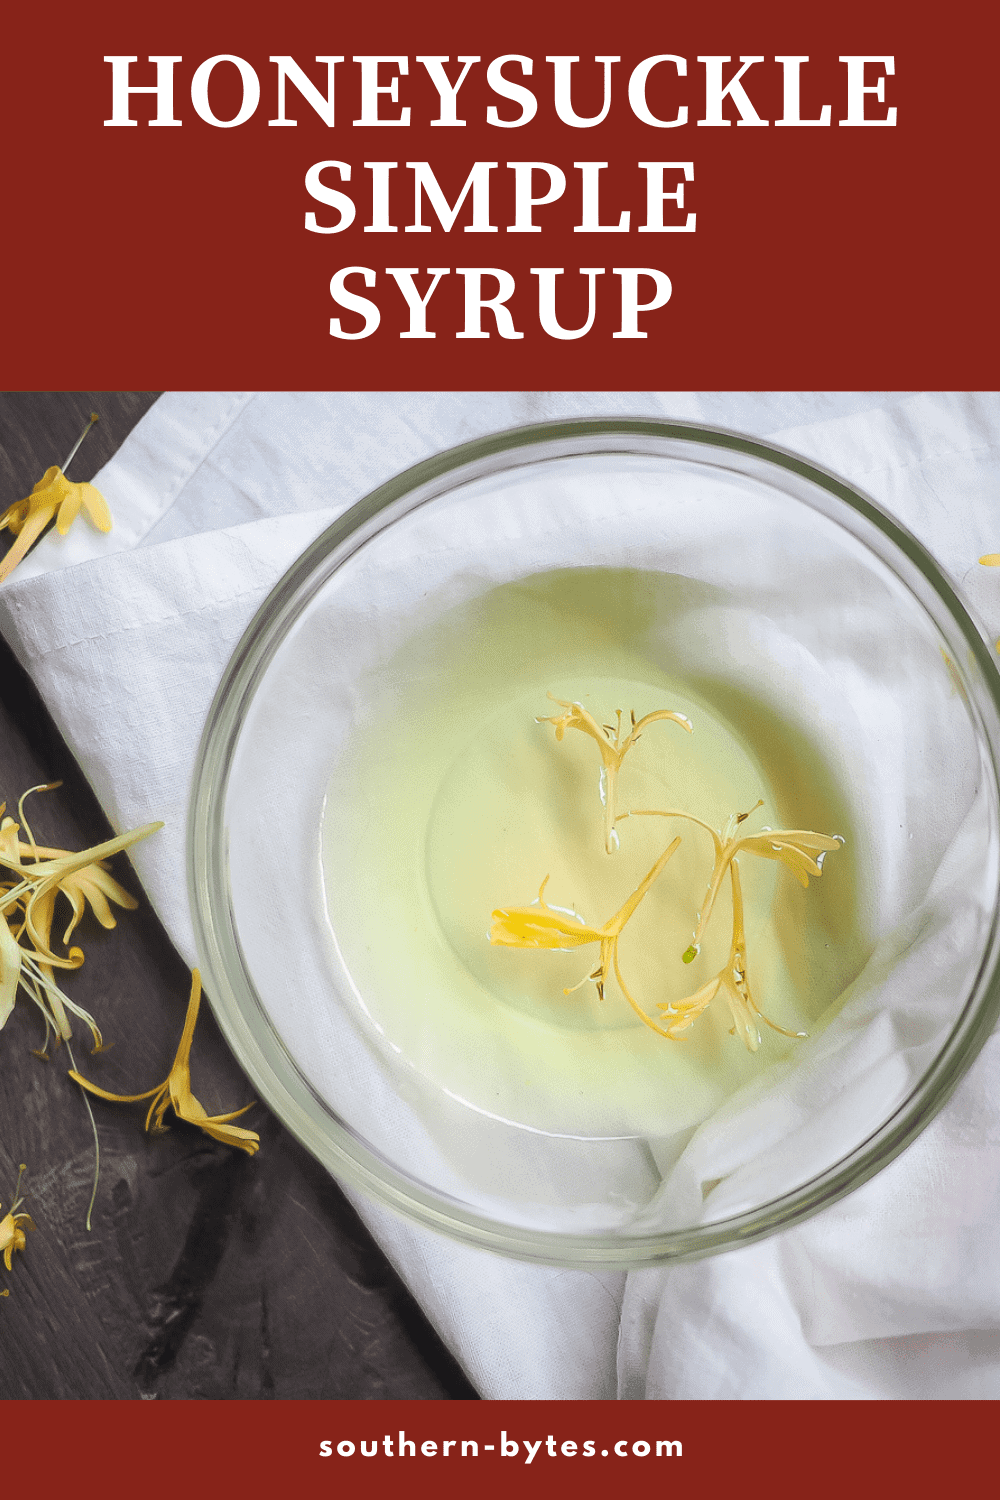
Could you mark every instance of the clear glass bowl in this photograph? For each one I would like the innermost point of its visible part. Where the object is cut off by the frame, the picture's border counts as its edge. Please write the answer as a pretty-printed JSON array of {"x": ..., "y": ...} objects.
[{"x": 779, "y": 599}]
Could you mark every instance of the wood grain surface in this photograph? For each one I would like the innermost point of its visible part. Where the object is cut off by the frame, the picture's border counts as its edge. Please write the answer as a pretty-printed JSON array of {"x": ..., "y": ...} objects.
[{"x": 206, "y": 1274}]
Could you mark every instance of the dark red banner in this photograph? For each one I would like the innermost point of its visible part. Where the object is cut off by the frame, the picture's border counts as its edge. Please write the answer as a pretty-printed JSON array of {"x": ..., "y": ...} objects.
[
  {"x": 502, "y": 1448},
  {"x": 564, "y": 195}
]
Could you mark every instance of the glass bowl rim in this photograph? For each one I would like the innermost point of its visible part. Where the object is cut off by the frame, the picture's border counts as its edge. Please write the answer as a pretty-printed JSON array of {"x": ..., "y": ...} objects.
[{"x": 242, "y": 1017}]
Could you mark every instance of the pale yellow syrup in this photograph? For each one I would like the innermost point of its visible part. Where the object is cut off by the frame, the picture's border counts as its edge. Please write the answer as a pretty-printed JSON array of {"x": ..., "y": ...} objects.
[{"x": 453, "y": 801}]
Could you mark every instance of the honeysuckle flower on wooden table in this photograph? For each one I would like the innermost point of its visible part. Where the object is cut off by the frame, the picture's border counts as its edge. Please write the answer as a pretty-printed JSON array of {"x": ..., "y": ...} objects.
[
  {"x": 31, "y": 879},
  {"x": 12, "y": 1235},
  {"x": 53, "y": 497},
  {"x": 175, "y": 1092}
]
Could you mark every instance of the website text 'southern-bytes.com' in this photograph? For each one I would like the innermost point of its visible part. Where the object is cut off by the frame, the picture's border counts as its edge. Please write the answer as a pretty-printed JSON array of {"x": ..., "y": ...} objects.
[{"x": 526, "y": 1449}]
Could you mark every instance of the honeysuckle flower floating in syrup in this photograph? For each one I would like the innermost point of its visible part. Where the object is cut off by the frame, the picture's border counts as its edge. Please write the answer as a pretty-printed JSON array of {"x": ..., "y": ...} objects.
[
  {"x": 613, "y": 748},
  {"x": 803, "y": 853},
  {"x": 799, "y": 849},
  {"x": 733, "y": 979},
  {"x": 12, "y": 1236},
  {"x": 53, "y": 497},
  {"x": 175, "y": 1092},
  {"x": 542, "y": 926}
]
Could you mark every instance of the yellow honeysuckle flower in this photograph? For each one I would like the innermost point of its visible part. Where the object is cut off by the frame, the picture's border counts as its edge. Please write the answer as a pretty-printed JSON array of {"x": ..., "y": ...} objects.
[
  {"x": 31, "y": 879},
  {"x": 799, "y": 849},
  {"x": 803, "y": 852},
  {"x": 542, "y": 926},
  {"x": 53, "y": 496},
  {"x": 91, "y": 884},
  {"x": 62, "y": 871},
  {"x": 27, "y": 910},
  {"x": 613, "y": 748},
  {"x": 12, "y": 1236},
  {"x": 175, "y": 1092},
  {"x": 733, "y": 980}
]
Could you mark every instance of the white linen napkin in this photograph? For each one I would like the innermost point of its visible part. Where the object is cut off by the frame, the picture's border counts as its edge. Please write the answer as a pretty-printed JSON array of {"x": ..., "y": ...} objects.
[{"x": 894, "y": 1292}]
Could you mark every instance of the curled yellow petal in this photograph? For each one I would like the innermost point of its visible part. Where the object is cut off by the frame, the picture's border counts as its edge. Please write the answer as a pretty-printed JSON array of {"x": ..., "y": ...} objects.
[
  {"x": 69, "y": 509},
  {"x": 53, "y": 872},
  {"x": 35, "y": 522},
  {"x": 96, "y": 506},
  {"x": 680, "y": 1015},
  {"x": 94, "y": 885},
  {"x": 10, "y": 970}
]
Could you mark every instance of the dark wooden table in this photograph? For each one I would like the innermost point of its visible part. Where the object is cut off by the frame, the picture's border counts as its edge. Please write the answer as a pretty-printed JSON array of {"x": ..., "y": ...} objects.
[{"x": 206, "y": 1274}]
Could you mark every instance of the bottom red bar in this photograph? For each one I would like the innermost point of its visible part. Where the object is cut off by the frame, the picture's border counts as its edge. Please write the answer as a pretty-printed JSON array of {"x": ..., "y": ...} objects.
[{"x": 499, "y": 1448}]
